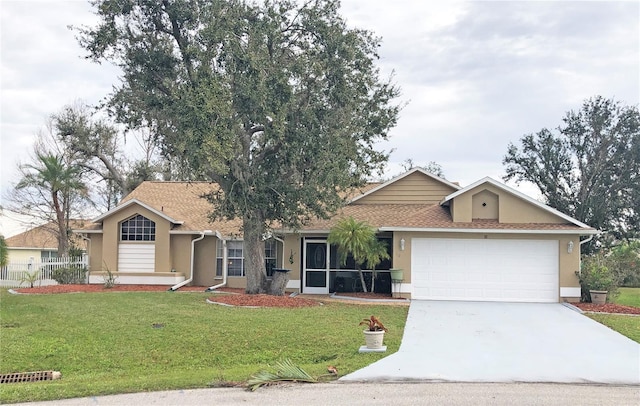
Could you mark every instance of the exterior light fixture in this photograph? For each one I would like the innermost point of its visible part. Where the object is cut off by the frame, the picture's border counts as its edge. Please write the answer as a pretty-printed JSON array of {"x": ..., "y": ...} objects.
[
  {"x": 402, "y": 244},
  {"x": 570, "y": 247}
]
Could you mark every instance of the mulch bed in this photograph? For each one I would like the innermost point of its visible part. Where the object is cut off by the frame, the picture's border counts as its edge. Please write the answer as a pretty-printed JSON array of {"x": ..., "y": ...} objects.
[
  {"x": 93, "y": 288},
  {"x": 233, "y": 297},
  {"x": 607, "y": 308},
  {"x": 263, "y": 301}
]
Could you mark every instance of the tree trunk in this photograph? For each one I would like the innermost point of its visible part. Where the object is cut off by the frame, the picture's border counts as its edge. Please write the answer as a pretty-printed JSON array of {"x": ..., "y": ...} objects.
[
  {"x": 279, "y": 282},
  {"x": 63, "y": 241},
  {"x": 373, "y": 281},
  {"x": 255, "y": 270},
  {"x": 364, "y": 284}
]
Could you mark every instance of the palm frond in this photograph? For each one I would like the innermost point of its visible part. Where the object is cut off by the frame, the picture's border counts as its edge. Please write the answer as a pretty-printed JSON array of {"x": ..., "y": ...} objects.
[{"x": 284, "y": 371}]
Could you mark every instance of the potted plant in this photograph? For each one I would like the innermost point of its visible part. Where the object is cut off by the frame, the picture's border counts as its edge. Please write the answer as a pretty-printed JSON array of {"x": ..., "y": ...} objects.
[
  {"x": 374, "y": 333},
  {"x": 597, "y": 278}
]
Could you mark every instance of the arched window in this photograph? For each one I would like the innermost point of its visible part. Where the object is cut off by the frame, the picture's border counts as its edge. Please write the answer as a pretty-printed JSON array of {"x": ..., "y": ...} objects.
[{"x": 138, "y": 228}]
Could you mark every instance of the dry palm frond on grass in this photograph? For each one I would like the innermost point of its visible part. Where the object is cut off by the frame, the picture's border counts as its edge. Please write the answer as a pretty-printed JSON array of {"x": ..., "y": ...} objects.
[{"x": 285, "y": 371}]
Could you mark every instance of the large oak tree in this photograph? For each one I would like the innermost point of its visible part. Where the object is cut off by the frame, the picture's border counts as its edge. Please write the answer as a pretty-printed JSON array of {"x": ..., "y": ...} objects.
[
  {"x": 278, "y": 102},
  {"x": 589, "y": 167}
]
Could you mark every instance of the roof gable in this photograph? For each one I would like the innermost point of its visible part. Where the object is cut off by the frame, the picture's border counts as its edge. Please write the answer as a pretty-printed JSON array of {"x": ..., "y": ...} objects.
[
  {"x": 416, "y": 186},
  {"x": 132, "y": 202},
  {"x": 476, "y": 186}
]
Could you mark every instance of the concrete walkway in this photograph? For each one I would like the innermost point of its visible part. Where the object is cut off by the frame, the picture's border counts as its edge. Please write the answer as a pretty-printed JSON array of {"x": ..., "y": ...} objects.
[{"x": 505, "y": 342}]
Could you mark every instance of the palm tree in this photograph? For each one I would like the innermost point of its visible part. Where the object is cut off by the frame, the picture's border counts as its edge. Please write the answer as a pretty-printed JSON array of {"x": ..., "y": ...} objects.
[
  {"x": 4, "y": 255},
  {"x": 377, "y": 253},
  {"x": 357, "y": 238},
  {"x": 51, "y": 175}
]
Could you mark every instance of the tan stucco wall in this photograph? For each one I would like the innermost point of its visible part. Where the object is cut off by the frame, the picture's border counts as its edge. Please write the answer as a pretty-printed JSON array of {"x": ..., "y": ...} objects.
[
  {"x": 511, "y": 209},
  {"x": 485, "y": 205},
  {"x": 204, "y": 270},
  {"x": 95, "y": 252},
  {"x": 111, "y": 237},
  {"x": 292, "y": 251},
  {"x": 23, "y": 255},
  {"x": 568, "y": 263},
  {"x": 415, "y": 188},
  {"x": 181, "y": 252}
]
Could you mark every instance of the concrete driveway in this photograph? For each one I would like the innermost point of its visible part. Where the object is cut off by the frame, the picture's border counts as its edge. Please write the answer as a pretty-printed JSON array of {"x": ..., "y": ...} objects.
[{"x": 505, "y": 342}]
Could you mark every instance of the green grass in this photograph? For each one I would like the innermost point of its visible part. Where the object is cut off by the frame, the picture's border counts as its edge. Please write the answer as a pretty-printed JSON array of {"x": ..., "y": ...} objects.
[
  {"x": 628, "y": 297},
  {"x": 105, "y": 343},
  {"x": 626, "y": 325}
]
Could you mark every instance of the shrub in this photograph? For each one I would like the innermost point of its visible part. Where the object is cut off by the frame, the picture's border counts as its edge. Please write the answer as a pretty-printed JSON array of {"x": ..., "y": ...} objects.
[
  {"x": 30, "y": 278},
  {"x": 625, "y": 263},
  {"x": 109, "y": 278},
  {"x": 597, "y": 274},
  {"x": 69, "y": 275}
]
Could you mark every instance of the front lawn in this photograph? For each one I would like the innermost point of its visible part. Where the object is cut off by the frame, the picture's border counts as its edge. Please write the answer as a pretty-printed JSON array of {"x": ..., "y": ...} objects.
[
  {"x": 623, "y": 324},
  {"x": 105, "y": 343},
  {"x": 628, "y": 297}
]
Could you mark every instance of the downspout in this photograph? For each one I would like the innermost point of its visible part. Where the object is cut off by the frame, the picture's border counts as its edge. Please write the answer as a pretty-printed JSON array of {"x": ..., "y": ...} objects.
[
  {"x": 225, "y": 264},
  {"x": 87, "y": 254},
  {"x": 193, "y": 247},
  {"x": 580, "y": 259}
]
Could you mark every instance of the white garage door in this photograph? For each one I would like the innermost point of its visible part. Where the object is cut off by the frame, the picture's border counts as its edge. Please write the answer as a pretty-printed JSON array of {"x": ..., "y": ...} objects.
[{"x": 484, "y": 270}]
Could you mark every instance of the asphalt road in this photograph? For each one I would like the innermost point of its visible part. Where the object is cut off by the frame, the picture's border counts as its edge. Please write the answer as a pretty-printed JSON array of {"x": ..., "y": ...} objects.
[{"x": 352, "y": 394}]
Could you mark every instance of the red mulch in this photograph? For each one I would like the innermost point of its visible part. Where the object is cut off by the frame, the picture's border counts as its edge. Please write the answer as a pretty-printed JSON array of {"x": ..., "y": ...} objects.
[
  {"x": 263, "y": 301},
  {"x": 369, "y": 295},
  {"x": 607, "y": 308},
  {"x": 238, "y": 298},
  {"x": 100, "y": 288}
]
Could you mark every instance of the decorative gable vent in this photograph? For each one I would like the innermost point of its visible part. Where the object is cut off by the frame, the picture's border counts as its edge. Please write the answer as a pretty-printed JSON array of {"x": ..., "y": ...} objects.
[{"x": 485, "y": 206}]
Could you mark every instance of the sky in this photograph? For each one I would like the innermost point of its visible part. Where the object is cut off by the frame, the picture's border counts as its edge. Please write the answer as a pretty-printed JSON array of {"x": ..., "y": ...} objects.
[{"x": 475, "y": 75}]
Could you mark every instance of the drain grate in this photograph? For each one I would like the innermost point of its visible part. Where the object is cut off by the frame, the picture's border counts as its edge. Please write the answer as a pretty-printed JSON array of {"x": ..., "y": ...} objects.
[{"x": 30, "y": 376}]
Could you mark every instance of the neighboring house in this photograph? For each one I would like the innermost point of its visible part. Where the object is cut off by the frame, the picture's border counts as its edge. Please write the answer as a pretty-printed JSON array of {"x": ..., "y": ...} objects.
[
  {"x": 38, "y": 243},
  {"x": 485, "y": 241}
]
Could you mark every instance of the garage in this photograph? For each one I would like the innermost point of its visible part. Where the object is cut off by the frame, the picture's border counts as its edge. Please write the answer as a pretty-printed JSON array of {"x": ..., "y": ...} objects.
[{"x": 507, "y": 270}]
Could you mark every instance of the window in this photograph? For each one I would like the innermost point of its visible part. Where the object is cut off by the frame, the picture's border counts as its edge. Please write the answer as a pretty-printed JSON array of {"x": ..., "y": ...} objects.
[
  {"x": 235, "y": 257},
  {"x": 48, "y": 255},
  {"x": 270, "y": 255},
  {"x": 138, "y": 228}
]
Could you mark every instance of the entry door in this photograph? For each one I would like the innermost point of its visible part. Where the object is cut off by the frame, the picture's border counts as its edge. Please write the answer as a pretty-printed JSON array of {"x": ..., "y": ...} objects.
[{"x": 316, "y": 267}]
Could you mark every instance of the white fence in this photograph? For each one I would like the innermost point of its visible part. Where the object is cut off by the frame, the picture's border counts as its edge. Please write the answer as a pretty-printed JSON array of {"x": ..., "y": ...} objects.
[{"x": 17, "y": 273}]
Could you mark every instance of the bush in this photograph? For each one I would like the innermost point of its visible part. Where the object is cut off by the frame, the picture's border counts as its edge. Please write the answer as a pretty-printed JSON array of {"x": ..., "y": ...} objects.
[
  {"x": 70, "y": 275},
  {"x": 597, "y": 274},
  {"x": 625, "y": 263}
]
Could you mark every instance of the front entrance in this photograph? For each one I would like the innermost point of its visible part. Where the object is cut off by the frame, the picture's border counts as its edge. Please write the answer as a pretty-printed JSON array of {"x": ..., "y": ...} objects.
[
  {"x": 315, "y": 278},
  {"x": 323, "y": 273}
]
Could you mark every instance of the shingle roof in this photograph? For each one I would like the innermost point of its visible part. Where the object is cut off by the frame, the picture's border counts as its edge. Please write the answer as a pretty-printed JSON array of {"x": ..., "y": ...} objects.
[
  {"x": 183, "y": 202},
  {"x": 423, "y": 217},
  {"x": 41, "y": 237}
]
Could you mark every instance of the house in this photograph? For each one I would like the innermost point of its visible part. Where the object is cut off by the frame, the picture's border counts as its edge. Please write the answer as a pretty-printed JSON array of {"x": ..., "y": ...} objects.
[
  {"x": 485, "y": 241},
  {"x": 39, "y": 243}
]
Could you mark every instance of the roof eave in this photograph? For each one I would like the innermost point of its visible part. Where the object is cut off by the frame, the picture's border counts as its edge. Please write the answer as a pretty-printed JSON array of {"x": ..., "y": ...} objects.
[{"x": 491, "y": 230}]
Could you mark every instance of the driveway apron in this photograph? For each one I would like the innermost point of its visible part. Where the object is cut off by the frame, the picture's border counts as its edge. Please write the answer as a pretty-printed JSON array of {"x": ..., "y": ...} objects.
[{"x": 505, "y": 342}]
